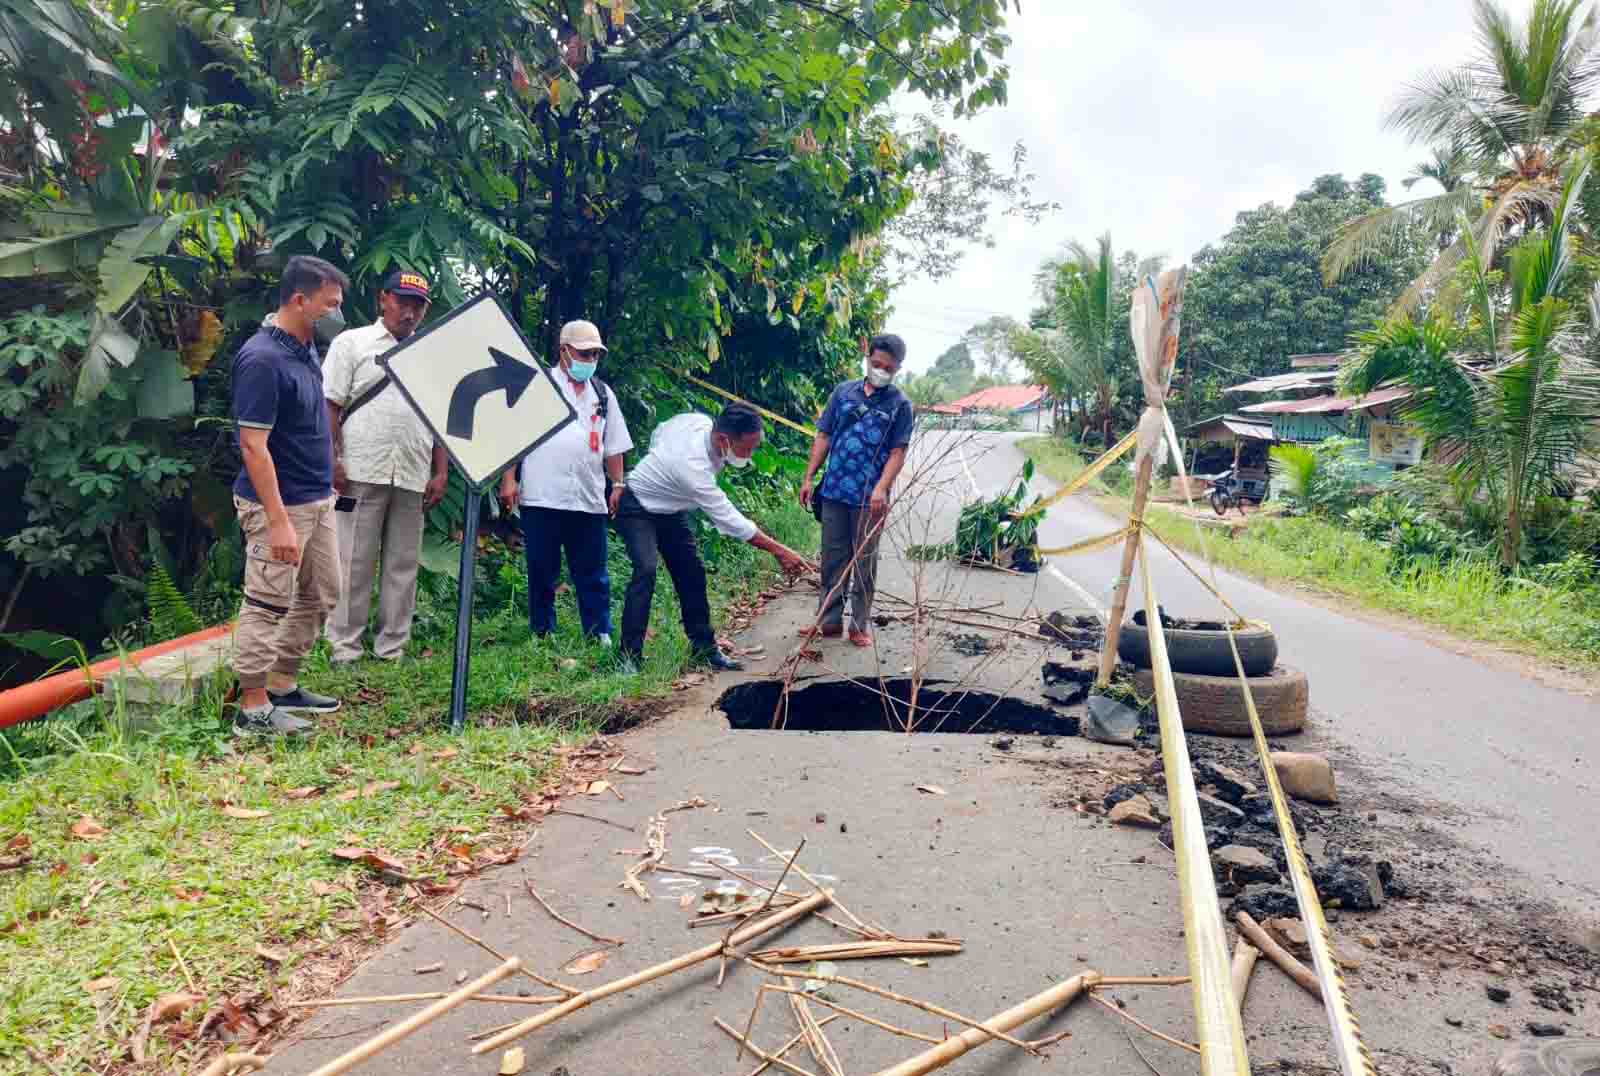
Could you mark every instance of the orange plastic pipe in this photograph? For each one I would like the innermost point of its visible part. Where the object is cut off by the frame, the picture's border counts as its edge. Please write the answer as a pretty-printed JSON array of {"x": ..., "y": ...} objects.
[{"x": 35, "y": 699}]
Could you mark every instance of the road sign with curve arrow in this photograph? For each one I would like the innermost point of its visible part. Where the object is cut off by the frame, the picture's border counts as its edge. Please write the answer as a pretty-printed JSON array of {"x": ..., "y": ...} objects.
[
  {"x": 475, "y": 382},
  {"x": 473, "y": 379}
]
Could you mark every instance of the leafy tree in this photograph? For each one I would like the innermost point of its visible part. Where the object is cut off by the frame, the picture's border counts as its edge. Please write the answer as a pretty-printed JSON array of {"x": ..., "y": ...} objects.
[
  {"x": 955, "y": 369},
  {"x": 1507, "y": 111},
  {"x": 1258, "y": 296},
  {"x": 990, "y": 341},
  {"x": 926, "y": 389},
  {"x": 1519, "y": 401}
]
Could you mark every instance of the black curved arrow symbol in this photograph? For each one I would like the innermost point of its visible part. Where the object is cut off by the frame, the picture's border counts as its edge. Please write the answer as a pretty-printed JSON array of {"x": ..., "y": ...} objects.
[{"x": 507, "y": 373}]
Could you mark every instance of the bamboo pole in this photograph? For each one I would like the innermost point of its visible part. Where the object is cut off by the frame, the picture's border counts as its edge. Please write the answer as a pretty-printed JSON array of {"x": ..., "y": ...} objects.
[
  {"x": 1119, "y": 600},
  {"x": 748, "y": 932},
  {"x": 937, "y": 1057},
  {"x": 392, "y": 1035},
  {"x": 1245, "y": 956},
  {"x": 1278, "y": 955}
]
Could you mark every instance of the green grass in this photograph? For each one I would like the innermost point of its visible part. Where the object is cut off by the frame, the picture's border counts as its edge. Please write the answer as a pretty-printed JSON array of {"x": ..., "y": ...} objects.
[
  {"x": 172, "y": 865},
  {"x": 1470, "y": 599}
]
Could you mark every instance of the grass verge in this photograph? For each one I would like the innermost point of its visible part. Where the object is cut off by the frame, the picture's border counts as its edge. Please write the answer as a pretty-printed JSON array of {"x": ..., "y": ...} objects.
[
  {"x": 137, "y": 840},
  {"x": 1468, "y": 598}
]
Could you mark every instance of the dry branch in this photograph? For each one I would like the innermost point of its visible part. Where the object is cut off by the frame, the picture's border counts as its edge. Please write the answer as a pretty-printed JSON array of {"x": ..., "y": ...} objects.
[
  {"x": 387, "y": 999},
  {"x": 492, "y": 951},
  {"x": 229, "y": 1062},
  {"x": 1278, "y": 955},
  {"x": 925, "y": 1006},
  {"x": 766, "y": 1058},
  {"x": 748, "y": 932},
  {"x": 872, "y": 929},
  {"x": 558, "y": 917},
  {"x": 863, "y": 1017},
  {"x": 821, "y": 1049},
  {"x": 939, "y": 1056},
  {"x": 862, "y": 950},
  {"x": 1141, "y": 1025},
  {"x": 1245, "y": 956},
  {"x": 392, "y": 1035},
  {"x": 786, "y": 1047}
]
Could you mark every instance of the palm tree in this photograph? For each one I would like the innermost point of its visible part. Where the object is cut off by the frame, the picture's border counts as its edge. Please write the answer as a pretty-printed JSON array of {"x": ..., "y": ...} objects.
[
  {"x": 1080, "y": 355},
  {"x": 1506, "y": 111},
  {"x": 1520, "y": 402},
  {"x": 1448, "y": 168}
]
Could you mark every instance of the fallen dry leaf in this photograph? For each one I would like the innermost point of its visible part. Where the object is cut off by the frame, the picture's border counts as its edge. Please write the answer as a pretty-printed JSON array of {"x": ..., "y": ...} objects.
[
  {"x": 19, "y": 843},
  {"x": 244, "y": 812},
  {"x": 448, "y": 752},
  {"x": 168, "y": 1006},
  {"x": 304, "y": 792},
  {"x": 428, "y": 969},
  {"x": 512, "y": 1062},
  {"x": 415, "y": 749},
  {"x": 376, "y": 787},
  {"x": 915, "y": 961},
  {"x": 588, "y": 962},
  {"x": 932, "y": 790},
  {"x": 87, "y": 829},
  {"x": 276, "y": 956},
  {"x": 597, "y": 787},
  {"x": 96, "y": 985},
  {"x": 347, "y": 795},
  {"x": 322, "y": 889},
  {"x": 686, "y": 901}
]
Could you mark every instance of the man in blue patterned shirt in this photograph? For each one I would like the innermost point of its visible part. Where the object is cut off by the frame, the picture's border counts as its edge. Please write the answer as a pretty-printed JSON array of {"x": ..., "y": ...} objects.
[{"x": 863, "y": 434}]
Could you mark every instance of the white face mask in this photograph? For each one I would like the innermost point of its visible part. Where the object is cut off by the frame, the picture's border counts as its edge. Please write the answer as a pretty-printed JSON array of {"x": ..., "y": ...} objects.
[
  {"x": 737, "y": 461},
  {"x": 879, "y": 379}
]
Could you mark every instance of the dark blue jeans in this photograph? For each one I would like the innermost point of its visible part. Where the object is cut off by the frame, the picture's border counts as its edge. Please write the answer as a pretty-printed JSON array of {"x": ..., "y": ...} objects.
[{"x": 545, "y": 532}]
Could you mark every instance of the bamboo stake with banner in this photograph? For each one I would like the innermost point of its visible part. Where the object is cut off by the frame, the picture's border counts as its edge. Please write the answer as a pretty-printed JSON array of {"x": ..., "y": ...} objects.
[{"x": 1153, "y": 322}]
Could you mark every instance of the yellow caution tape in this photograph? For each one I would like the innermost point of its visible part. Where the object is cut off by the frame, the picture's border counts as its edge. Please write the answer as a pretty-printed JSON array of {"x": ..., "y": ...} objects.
[
  {"x": 773, "y": 415},
  {"x": 1088, "y": 545},
  {"x": 1222, "y": 1051},
  {"x": 1089, "y": 474},
  {"x": 1354, "y": 1057}
]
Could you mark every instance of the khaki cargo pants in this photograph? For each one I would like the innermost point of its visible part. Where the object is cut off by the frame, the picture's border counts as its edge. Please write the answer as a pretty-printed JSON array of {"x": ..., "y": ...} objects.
[{"x": 284, "y": 604}]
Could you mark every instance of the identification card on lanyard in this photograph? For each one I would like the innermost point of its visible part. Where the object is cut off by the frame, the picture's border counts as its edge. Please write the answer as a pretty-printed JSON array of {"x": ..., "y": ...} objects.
[{"x": 594, "y": 436}]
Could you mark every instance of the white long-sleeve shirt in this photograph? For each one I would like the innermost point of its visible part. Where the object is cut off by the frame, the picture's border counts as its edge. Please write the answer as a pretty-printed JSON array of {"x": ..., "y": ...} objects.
[
  {"x": 565, "y": 472},
  {"x": 679, "y": 474}
]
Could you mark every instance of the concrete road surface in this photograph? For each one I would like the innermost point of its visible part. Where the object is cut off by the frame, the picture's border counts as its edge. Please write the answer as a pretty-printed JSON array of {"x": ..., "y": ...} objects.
[{"x": 991, "y": 849}]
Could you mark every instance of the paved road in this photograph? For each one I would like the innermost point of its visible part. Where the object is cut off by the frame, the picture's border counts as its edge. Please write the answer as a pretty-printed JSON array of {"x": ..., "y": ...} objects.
[
  {"x": 1517, "y": 761},
  {"x": 1036, "y": 890}
]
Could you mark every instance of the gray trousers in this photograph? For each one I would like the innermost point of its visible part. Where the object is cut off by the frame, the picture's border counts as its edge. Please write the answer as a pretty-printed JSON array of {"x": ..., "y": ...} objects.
[
  {"x": 844, "y": 531},
  {"x": 387, "y": 521}
]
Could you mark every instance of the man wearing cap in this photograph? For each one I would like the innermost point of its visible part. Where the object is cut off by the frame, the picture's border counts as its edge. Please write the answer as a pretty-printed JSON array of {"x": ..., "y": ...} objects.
[
  {"x": 386, "y": 459},
  {"x": 562, "y": 492}
]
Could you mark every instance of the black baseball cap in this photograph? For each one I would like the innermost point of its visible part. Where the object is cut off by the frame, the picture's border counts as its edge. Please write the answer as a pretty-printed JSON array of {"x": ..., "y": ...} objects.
[{"x": 407, "y": 282}]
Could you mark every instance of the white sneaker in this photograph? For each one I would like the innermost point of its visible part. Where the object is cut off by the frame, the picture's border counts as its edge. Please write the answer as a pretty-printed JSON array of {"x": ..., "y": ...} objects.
[{"x": 604, "y": 639}]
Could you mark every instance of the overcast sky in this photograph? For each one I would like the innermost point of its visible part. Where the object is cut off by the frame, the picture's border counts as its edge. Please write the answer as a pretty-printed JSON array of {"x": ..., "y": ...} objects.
[{"x": 1160, "y": 120}]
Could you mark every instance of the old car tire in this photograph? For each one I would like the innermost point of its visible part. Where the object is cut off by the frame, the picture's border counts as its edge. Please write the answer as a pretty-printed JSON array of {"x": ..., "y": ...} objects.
[
  {"x": 1215, "y": 704},
  {"x": 1565, "y": 1057},
  {"x": 1204, "y": 652}
]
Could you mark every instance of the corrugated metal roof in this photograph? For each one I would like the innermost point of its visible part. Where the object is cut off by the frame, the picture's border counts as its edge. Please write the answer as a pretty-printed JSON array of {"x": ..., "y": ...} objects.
[
  {"x": 1329, "y": 404},
  {"x": 1283, "y": 382},
  {"x": 1001, "y": 398},
  {"x": 1257, "y": 431}
]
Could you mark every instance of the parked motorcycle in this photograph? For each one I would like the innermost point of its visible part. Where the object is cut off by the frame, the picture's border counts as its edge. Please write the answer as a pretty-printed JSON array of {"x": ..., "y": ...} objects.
[{"x": 1227, "y": 491}]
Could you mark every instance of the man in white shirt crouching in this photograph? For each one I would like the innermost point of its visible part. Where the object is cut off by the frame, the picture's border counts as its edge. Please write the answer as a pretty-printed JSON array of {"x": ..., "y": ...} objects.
[
  {"x": 652, "y": 511},
  {"x": 563, "y": 491}
]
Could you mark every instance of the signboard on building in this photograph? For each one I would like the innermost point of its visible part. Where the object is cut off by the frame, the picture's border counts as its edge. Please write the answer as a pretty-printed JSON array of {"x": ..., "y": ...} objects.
[{"x": 1393, "y": 442}]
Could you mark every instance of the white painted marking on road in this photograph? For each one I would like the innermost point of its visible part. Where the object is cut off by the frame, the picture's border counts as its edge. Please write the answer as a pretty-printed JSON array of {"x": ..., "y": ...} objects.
[{"x": 1076, "y": 588}]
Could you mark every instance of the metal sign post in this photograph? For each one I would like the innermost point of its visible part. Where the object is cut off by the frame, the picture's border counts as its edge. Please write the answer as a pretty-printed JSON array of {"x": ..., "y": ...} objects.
[{"x": 474, "y": 380}]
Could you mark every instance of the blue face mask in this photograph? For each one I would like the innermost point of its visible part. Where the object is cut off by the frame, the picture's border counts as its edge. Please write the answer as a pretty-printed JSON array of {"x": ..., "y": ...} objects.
[{"x": 580, "y": 370}]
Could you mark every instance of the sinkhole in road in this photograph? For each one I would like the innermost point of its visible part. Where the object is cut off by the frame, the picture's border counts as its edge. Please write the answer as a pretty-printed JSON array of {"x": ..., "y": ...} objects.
[{"x": 845, "y": 706}]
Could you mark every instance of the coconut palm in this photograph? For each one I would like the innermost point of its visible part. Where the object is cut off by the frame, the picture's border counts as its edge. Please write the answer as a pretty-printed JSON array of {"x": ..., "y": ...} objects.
[
  {"x": 1517, "y": 394},
  {"x": 1506, "y": 111},
  {"x": 1077, "y": 356}
]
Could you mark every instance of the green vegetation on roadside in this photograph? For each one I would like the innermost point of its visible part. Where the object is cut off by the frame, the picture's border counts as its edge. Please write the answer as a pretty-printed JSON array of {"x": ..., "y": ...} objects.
[
  {"x": 162, "y": 860},
  {"x": 1554, "y": 618}
]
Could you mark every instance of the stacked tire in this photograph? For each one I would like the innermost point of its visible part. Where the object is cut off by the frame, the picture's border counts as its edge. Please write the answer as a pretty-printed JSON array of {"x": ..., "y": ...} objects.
[{"x": 1207, "y": 681}]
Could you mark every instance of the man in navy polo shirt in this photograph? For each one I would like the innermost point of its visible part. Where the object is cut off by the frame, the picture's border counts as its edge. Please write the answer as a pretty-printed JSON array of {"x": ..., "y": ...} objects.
[
  {"x": 863, "y": 434},
  {"x": 285, "y": 502}
]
